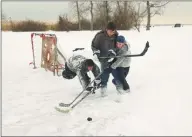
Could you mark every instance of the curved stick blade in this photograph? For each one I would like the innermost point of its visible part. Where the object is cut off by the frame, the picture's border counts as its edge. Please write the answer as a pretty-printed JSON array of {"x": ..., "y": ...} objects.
[{"x": 63, "y": 110}]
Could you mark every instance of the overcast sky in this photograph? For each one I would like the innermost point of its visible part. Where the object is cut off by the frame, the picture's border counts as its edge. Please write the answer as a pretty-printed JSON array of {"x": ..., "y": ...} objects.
[{"x": 48, "y": 11}]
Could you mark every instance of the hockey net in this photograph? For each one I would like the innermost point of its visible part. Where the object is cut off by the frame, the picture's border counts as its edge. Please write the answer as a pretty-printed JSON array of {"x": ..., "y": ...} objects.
[{"x": 46, "y": 53}]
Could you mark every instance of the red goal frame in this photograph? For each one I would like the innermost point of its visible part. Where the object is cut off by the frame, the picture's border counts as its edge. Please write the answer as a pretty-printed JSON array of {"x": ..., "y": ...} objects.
[{"x": 49, "y": 55}]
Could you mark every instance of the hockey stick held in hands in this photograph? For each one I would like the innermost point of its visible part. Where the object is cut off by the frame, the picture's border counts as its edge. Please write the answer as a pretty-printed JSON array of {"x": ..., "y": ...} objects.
[
  {"x": 133, "y": 55},
  {"x": 69, "y": 104},
  {"x": 65, "y": 109}
]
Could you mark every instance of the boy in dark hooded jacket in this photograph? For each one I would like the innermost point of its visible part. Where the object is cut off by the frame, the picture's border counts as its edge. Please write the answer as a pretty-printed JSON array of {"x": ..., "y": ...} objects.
[{"x": 103, "y": 45}]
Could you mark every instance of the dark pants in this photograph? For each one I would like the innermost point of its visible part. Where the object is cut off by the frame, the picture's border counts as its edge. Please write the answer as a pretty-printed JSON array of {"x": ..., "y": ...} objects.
[
  {"x": 120, "y": 75},
  {"x": 105, "y": 76}
]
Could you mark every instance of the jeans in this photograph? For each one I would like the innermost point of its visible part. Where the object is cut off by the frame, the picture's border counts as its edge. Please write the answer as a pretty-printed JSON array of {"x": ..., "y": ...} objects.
[
  {"x": 105, "y": 76},
  {"x": 120, "y": 75}
]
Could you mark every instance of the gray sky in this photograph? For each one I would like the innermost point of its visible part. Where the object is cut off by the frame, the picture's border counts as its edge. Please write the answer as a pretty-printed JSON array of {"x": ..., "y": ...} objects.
[{"x": 48, "y": 11}]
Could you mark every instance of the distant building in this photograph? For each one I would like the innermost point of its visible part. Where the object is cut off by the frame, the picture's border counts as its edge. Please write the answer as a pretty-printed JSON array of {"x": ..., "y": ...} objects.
[{"x": 177, "y": 25}]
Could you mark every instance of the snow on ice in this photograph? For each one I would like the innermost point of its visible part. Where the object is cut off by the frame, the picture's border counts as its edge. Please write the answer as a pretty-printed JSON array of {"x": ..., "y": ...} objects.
[{"x": 160, "y": 102}]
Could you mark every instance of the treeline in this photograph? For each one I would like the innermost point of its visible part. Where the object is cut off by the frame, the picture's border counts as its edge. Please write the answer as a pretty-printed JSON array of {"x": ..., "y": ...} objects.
[{"x": 91, "y": 16}]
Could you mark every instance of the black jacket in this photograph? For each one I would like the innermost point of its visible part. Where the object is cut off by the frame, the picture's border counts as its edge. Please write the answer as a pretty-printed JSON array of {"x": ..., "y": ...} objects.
[{"x": 103, "y": 43}]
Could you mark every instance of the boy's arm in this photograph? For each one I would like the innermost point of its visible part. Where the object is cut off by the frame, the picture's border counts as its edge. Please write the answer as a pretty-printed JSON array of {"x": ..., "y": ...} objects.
[{"x": 121, "y": 59}]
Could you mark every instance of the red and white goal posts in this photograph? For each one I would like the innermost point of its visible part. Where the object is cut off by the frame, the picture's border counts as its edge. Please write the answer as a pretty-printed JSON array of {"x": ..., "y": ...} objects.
[{"x": 46, "y": 53}]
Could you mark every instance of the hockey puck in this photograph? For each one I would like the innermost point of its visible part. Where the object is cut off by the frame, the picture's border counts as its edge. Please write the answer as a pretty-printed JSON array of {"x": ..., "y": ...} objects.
[{"x": 89, "y": 119}]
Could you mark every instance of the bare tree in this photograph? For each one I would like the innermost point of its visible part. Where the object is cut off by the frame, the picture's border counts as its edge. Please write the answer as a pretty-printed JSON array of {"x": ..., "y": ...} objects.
[
  {"x": 78, "y": 14},
  {"x": 107, "y": 10},
  {"x": 63, "y": 23},
  {"x": 148, "y": 15},
  {"x": 119, "y": 15},
  {"x": 153, "y": 9},
  {"x": 103, "y": 12},
  {"x": 138, "y": 17},
  {"x": 123, "y": 14},
  {"x": 91, "y": 11},
  {"x": 3, "y": 16},
  {"x": 99, "y": 15},
  {"x": 119, "y": 7},
  {"x": 80, "y": 11},
  {"x": 85, "y": 9}
]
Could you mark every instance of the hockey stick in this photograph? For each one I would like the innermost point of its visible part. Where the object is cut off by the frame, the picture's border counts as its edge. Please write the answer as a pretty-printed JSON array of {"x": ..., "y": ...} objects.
[
  {"x": 67, "y": 105},
  {"x": 68, "y": 109},
  {"x": 61, "y": 54},
  {"x": 133, "y": 55},
  {"x": 78, "y": 49}
]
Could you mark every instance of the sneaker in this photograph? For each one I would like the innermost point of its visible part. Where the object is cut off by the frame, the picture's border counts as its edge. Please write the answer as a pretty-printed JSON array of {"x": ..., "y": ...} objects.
[{"x": 103, "y": 91}]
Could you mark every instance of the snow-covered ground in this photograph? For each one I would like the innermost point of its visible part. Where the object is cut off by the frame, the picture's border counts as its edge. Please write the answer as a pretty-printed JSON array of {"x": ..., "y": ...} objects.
[{"x": 160, "y": 102}]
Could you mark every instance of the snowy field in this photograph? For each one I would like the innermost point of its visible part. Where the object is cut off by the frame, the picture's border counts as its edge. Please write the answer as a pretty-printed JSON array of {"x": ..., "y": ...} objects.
[{"x": 160, "y": 102}]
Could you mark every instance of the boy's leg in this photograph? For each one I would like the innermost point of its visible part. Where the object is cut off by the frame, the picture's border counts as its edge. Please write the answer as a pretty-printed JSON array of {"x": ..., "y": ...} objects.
[
  {"x": 121, "y": 75},
  {"x": 105, "y": 74},
  {"x": 115, "y": 76},
  {"x": 116, "y": 82},
  {"x": 83, "y": 79},
  {"x": 126, "y": 72},
  {"x": 104, "y": 79}
]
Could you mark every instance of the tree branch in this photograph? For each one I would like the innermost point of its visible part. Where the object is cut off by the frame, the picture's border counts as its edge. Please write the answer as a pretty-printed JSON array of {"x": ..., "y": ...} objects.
[
  {"x": 156, "y": 6},
  {"x": 155, "y": 13}
]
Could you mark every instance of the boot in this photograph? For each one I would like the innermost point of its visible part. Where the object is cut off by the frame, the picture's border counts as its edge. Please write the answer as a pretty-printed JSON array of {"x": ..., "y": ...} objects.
[
  {"x": 103, "y": 91},
  {"x": 119, "y": 88},
  {"x": 127, "y": 90}
]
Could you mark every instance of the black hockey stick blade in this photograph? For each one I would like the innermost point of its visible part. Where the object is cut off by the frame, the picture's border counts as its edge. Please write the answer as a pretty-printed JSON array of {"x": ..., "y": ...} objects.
[
  {"x": 145, "y": 49},
  {"x": 76, "y": 49}
]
